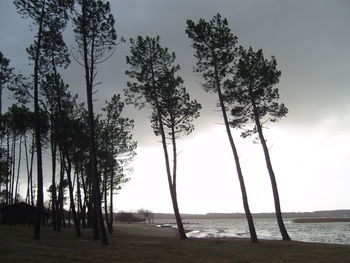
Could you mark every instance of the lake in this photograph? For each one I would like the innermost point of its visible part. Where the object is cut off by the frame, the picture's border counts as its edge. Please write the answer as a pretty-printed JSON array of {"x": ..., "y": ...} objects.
[{"x": 336, "y": 233}]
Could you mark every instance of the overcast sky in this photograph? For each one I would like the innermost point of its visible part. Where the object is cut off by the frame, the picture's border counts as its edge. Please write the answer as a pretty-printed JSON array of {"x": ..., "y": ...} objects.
[{"x": 310, "y": 148}]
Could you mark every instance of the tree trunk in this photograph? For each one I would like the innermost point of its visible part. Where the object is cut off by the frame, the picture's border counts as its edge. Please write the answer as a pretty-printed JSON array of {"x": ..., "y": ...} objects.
[
  {"x": 86, "y": 202},
  {"x": 13, "y": 168},
  {"x": 89, "y": 75},
  {"x": 172, "y": 189},
  {"x": 68, "y": 168},
  {"x": 31, "y": 173},
  {"x": 110, "y": 227},
  {"x": 276, "y": 198},
  {"x": 27, "y": 165},
  {"x": 81, "y": 212},
  {"x": 8, "y": 174},
  {"x": 18, "y": 166},
  {"x": 40, "y": 195},
  {"x": 107, "y": 164},
  {"x": 61, "y": 196},
  {"x": 53, "y": 179},
  {"x": 253, "y": 236},
  {"x": 105, "y": 197}
]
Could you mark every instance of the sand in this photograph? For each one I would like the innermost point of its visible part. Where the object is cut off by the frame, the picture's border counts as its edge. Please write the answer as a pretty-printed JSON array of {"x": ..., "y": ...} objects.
[{"x": 146, "y": 230}]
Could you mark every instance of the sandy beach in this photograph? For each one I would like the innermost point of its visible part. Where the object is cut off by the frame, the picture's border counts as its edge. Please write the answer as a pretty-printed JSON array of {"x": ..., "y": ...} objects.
[{"x": 146, "y": 230}]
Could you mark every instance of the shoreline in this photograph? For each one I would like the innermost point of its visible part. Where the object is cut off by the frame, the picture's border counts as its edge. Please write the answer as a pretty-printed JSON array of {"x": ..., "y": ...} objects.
[{"x": 321, "y": 220}]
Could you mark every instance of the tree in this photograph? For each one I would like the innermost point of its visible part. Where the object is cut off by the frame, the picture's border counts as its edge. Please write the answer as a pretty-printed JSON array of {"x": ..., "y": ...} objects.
[
  {"x": 254, "y": 99},
  {"x": 42, "y": 12},
  {"x": 53, "y": 92},
  {"x": 116, "y": 151},
  {"x": 156, "y": 85},
  {"x": 96, "y": 39},
  {"x": 147, "y": 215},
  {"x": 215, "y": 49},
  {"x": 6, "y": 75},
  {"x": 18, "y": 122}
]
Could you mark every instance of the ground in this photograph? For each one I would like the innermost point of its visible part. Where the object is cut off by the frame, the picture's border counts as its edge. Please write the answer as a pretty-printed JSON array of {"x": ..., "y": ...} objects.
[{"x": 146, "y": 243}]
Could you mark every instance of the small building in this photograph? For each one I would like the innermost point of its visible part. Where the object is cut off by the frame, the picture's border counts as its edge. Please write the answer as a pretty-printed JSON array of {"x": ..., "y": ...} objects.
[{"x": 19, "y": 213}]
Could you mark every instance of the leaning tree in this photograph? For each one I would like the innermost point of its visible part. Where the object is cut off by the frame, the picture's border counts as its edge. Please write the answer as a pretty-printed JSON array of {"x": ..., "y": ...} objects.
[
  {"x": 215, "y": 49},
  {"x": 254, "y": 99},
  {"x": 155, "y": 85}
]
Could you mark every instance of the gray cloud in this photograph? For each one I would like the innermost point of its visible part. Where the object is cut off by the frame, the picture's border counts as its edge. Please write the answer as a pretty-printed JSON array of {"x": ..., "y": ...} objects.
[{"x": 308, "y": 38}]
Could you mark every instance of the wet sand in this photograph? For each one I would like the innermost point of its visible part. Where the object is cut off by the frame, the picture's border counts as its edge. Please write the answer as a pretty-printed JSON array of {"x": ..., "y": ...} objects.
[{"x": 146, "y": 230}]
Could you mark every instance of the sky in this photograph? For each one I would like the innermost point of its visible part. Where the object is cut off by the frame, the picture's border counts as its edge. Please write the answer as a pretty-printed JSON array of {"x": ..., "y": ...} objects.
[{"x": 310, "y": 147}]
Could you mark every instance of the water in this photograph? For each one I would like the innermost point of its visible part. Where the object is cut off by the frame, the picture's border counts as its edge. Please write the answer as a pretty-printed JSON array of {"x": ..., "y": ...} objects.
[{"x": 336, "y": 233}]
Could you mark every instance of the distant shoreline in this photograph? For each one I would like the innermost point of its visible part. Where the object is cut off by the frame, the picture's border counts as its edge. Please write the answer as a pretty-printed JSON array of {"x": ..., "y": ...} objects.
[
  {"x": 293, "y": 215},
  {"x": 321, "y": 220}
]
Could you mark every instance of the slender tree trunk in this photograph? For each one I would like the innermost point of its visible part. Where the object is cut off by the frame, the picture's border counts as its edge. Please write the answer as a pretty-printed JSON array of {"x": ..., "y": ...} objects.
[
  {"x": 181, "y": 229},
  {"x": 106, "y": 203},
  {"x": 80, "y": 207},
  {"x": 105, "y": 190},
  {"x": 27, "y": 165},
  {"x": 253, "y": 236},
  {"x": 18, "y": 166},
  {"x": 89, "y": 75},
  {"x": 276, "y": 198},
  {"x": 53, "y": 180},
  {"x": 13, "y": 169},
  {"x": 83, "y": 207},
  {"x": 110, "y": 227},
  {"x": 37, "y": 130},
  {"x": 61, "y": 195},
  {"x": 8, "y": 174},
  {"x": 31, "y": 173},
  {"x": 68, "y": 168}
]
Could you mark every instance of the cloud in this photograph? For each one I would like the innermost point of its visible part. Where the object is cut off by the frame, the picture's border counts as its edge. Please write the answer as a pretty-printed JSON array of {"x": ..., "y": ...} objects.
[{"x": 310, "y": 41}]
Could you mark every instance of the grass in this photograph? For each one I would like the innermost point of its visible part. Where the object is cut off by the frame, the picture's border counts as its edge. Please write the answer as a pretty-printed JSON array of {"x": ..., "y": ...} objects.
[{"x": 17, "y": 245}]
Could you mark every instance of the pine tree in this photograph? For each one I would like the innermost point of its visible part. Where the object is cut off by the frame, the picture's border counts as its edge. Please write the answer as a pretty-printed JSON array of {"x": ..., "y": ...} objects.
[
  {"x": 215, "y": 49},
  {"x": 42, "y": 12},
  {"x": 96, "y": 38},
  {"x": 151, "y": 66},
  {"x": 255, "y": 99}
]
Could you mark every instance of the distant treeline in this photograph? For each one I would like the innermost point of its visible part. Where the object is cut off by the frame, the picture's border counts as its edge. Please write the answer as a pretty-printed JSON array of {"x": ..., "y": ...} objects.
[{"x": 316, "y": 214}]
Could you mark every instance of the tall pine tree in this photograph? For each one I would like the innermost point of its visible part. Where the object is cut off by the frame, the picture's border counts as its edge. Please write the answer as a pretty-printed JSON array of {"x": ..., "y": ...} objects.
[
  {"x": 215, "y": 49},
  {"x": 151, "y": 66}
]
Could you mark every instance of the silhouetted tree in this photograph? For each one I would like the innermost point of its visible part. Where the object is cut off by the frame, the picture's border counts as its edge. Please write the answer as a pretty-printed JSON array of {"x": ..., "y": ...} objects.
[
  {"x": 254, "y": 97},
  {"x": 96, "y": 38},
  {"x": 215, "y": 49},
  {"x": 6, "y": 75},
  {"x": 42, "y": 12},
  {"x": 116, "y": 151},
  {"x": 156, "y": 85},
  {"x": 18, "y": 122},
  {"x": 53, "y": 91}
]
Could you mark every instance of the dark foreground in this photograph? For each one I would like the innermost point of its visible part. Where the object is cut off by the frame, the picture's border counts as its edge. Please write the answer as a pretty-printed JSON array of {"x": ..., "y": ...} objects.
[{"x": 126, "y": 245}]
